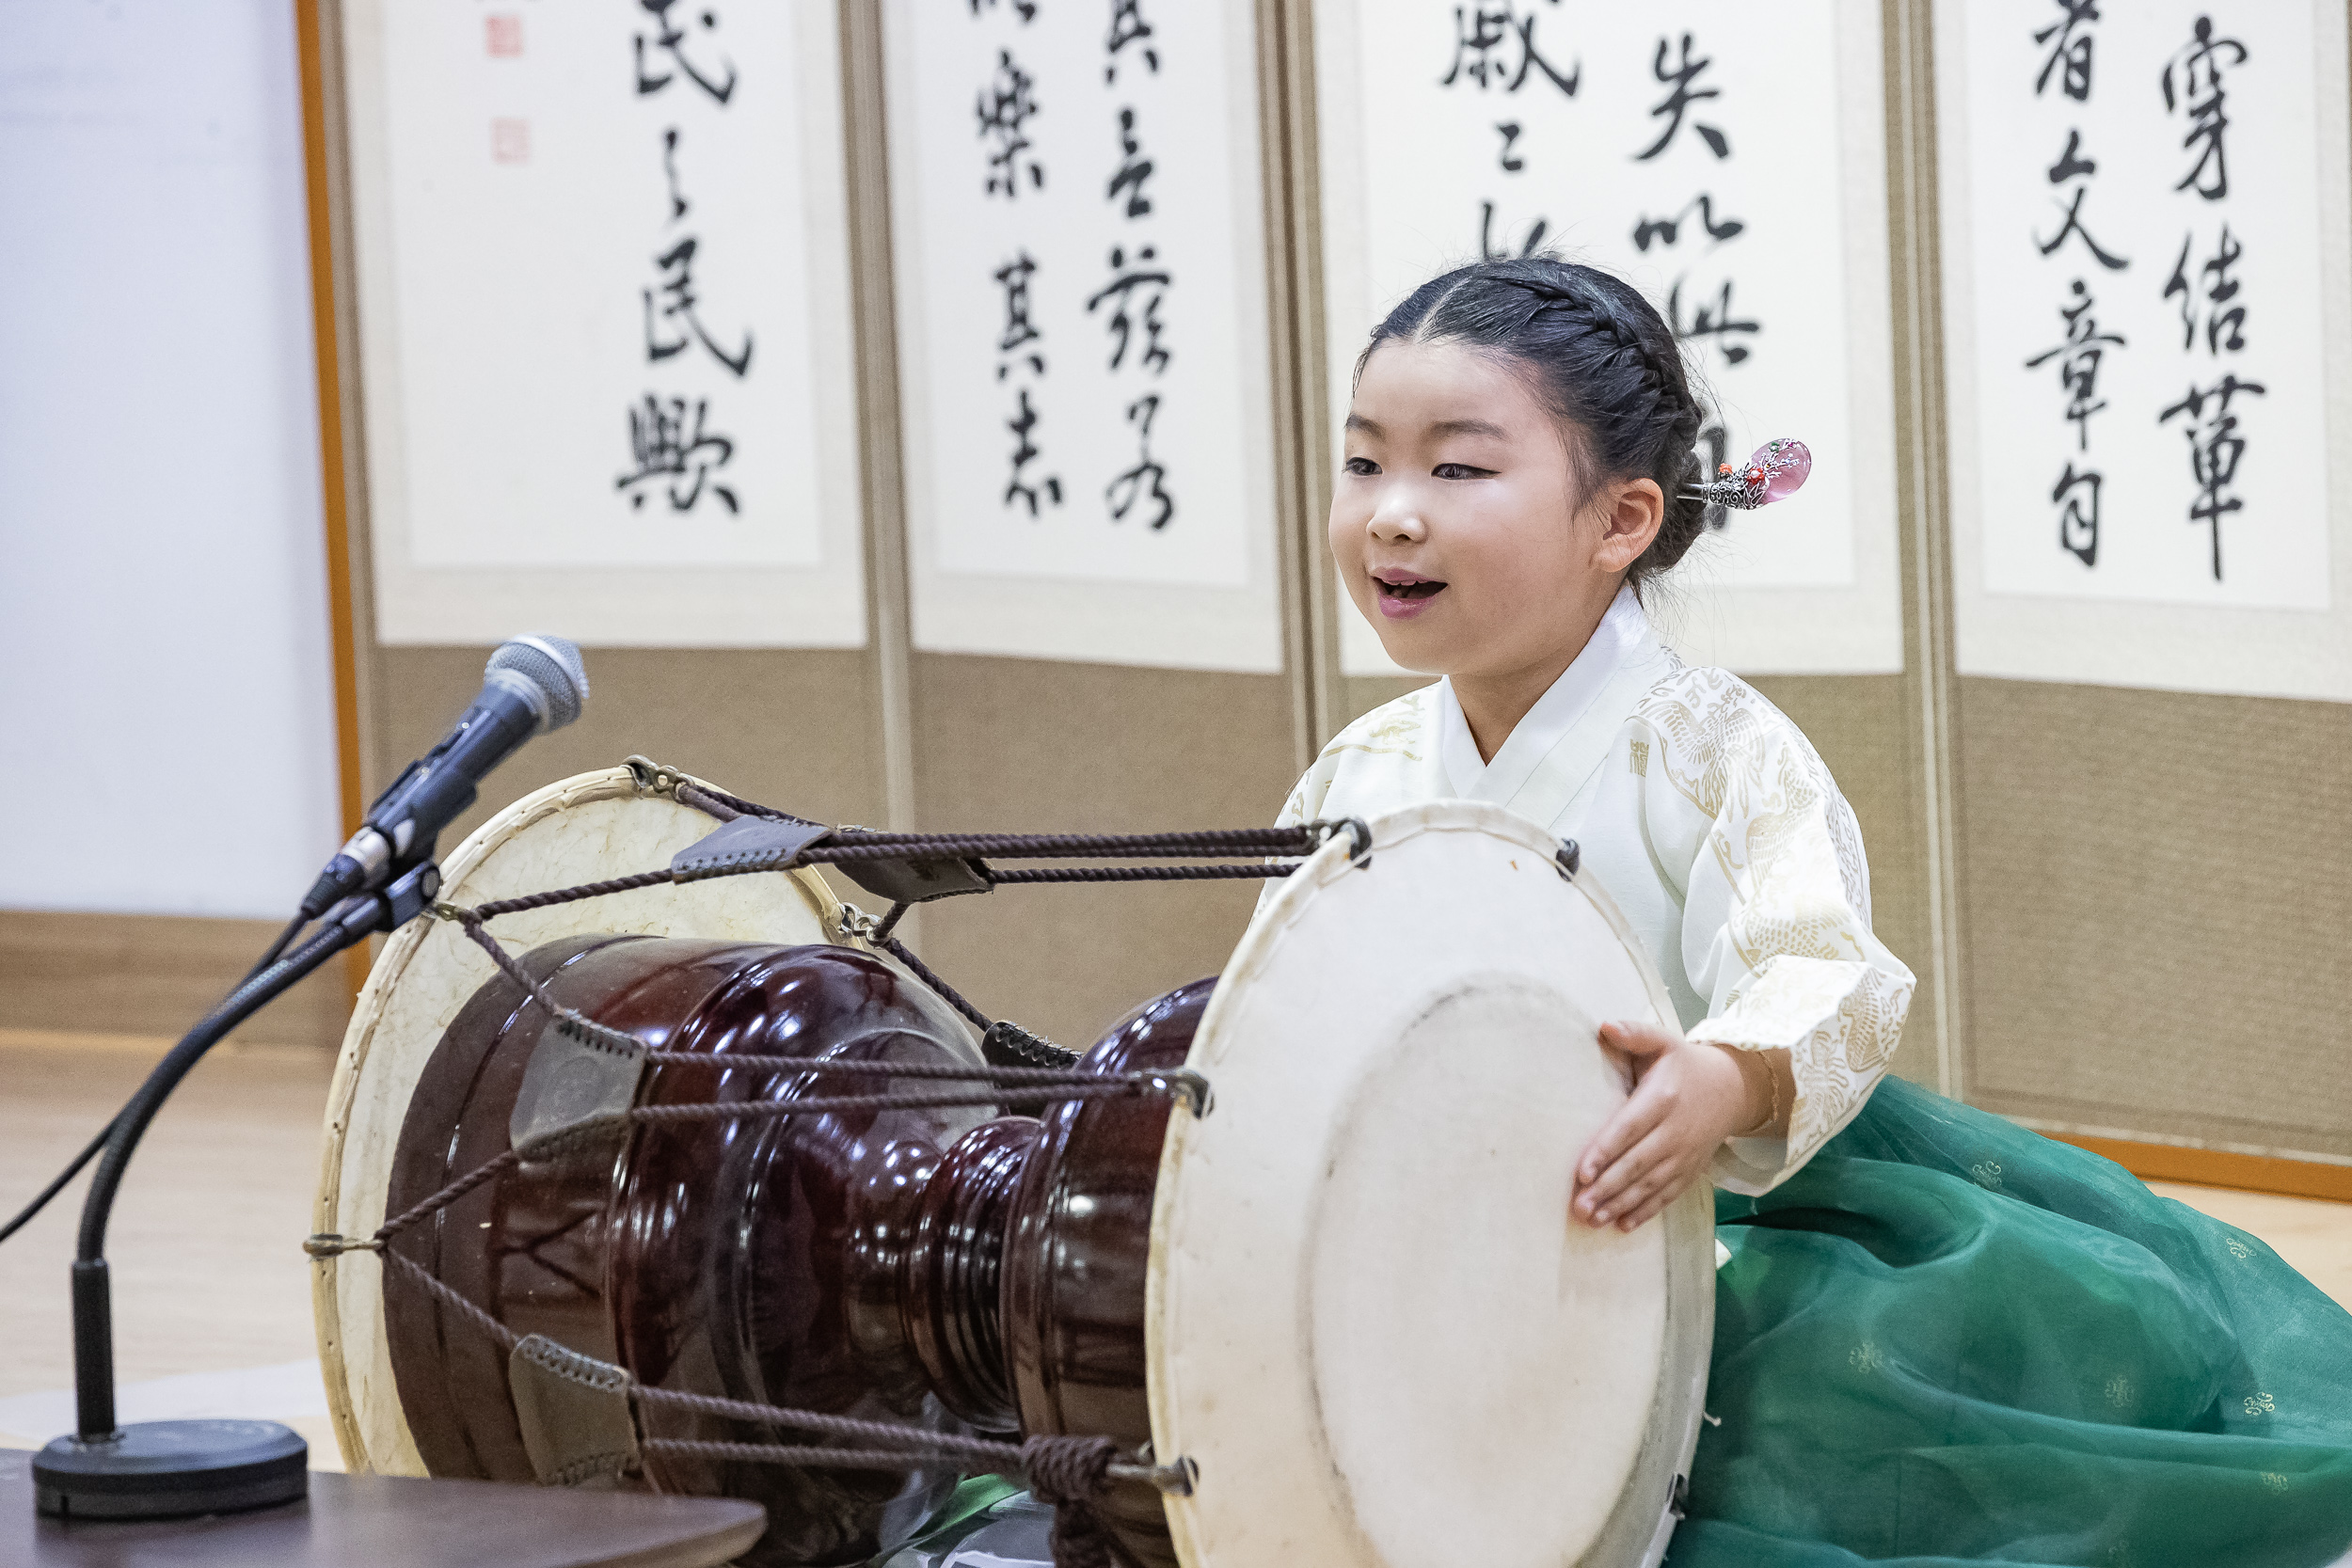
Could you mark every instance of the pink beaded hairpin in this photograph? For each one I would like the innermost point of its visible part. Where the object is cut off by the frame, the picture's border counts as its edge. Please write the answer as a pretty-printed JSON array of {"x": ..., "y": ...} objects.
[{"x": 1773, "y": 474}]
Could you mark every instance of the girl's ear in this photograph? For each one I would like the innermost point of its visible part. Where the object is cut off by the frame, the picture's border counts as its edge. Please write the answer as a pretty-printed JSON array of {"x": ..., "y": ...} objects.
[{"x": 1630, "y": 512}]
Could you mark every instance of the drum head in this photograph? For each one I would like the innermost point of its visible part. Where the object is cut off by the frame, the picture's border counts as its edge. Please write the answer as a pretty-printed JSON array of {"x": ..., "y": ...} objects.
[
  {"x": 1371, "y": 1323},
  {"x": 586, "y": 828}
]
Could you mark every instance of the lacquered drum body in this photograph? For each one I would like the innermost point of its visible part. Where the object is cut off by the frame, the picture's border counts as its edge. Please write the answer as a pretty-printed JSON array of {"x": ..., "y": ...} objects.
[{"x": 954, "y": 1269}]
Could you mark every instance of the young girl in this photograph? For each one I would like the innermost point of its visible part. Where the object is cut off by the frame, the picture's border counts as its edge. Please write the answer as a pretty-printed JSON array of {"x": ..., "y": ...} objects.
[{"x": 1939, "y": 1338}]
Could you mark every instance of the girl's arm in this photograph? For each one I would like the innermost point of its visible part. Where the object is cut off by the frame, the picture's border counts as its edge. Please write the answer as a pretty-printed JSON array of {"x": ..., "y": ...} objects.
[
  {"x": 1688, "y": 1099},
  {"x": 1775, "y": 939}
]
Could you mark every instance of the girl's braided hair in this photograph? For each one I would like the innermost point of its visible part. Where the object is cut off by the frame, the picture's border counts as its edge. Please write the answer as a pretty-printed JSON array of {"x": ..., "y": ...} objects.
[{"x": 1600, "y": 357}]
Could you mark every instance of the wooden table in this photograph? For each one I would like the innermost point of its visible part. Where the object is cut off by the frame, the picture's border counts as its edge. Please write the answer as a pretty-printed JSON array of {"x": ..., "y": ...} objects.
[{"x": 351, "y": 1520}]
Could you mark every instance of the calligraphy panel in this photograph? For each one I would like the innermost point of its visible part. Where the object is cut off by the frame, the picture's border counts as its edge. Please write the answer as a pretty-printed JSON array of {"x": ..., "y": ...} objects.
[
  {"x": 2146, "y": 281},
  {"x": 1728, "y": 159},
  {"x": 1085, "y": 376},
  {"x": 602, "y": 255}
]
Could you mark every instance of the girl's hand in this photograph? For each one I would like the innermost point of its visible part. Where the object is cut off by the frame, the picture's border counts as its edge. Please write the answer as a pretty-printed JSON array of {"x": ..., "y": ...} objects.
[{"x": 1687, "y": 1099}]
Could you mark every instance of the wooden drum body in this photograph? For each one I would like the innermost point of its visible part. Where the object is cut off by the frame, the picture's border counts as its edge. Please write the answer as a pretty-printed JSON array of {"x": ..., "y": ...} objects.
[
  {"x": 1348, "y": 1294},
  {"x": 941, "y": 1268}
]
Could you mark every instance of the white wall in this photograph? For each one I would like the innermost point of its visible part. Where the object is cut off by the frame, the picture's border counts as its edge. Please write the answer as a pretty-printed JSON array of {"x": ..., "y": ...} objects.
[{"x": 166, "y": 711}]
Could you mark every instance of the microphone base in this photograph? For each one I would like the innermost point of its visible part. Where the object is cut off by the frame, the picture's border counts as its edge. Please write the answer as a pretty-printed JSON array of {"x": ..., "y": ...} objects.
[{"x": 172, "y": 1470}]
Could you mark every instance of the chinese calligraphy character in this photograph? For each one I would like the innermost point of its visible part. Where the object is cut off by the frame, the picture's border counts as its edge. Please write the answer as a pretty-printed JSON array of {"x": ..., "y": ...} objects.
[
  {"x": 667, "y": 450},
  {"x": 2078, "y": 514},
  {"x": 1677, "y": 101},
  {"x": 2214, "y": 451},
  {"x": 1128, "y": 26},
  {"x": 2200, "y": 65},
  {"x": 2069, "y": 165},
  {"x": 1133, "y": 170},
  {"x": 2224, "y": 328},
  {"x": 678, "y": 203},
  {"x": 1667, "y": 230},
  {"x": 1121, "y": 289},
  {"x": 1512, "y": 163},
  {"x": 2070, "y": 50},
  {"x": 1715, "y": 321},
  {"x": 677, "y": 304},
  {"x": 2079, "y": 357},
  {"x": 1006, "y": 104},
  {"x": 1026, "y": 8},
  {"x": 1482, "y": 34},
  {"x": 672, "y": 39},
  {"x": 1488, "y": 249},
  {"x": 1013, "y": 277},
  {"x": 1147, "y": 479},
  {"x": 1024, "y": 451}
]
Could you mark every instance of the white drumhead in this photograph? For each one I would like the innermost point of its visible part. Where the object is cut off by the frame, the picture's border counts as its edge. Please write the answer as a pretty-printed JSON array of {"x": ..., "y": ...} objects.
[
  {"x": 1372, "y": 1325},
  {"x": 587, "y": 829}
]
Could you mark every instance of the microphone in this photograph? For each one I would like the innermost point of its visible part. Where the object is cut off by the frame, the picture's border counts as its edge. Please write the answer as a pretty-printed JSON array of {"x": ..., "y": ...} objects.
[{"x": 531, "y": 686}]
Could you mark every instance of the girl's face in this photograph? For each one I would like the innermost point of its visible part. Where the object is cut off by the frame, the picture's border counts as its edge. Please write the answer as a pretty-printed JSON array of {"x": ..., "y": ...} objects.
[{"x": 1458, "y": 520}]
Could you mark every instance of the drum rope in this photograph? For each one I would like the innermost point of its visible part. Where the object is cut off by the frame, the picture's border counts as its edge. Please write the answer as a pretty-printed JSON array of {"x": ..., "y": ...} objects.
[
  {"x": 1004, "y": 1034},
  {"x": 850, "y": 846},
  {"x": 1067, "y": 1473},
  {"x": 865, "y": 844},
  {"x": 1027, "y": 1458},
  {"x": 506, "y": 1336},
  {"x": 720, "y": 805},
  {"x": 1008, "y": 1077},
  {"x": 801, "y": 1457},
  {"x": 1135, "y": 872},
  {"x": 713, "y": 801},
  {"x": 591, "y": 1130},
  {"x": 1049, "y": 1059},
  {"x": 571, "y": 895}
]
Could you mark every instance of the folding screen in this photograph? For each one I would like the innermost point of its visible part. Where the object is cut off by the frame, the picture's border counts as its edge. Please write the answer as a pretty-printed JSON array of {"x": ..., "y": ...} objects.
[{"x": 2148, "y": 307}]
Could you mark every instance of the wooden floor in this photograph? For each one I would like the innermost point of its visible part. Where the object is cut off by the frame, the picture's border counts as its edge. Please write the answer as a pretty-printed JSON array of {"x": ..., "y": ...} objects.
[
  {"x": 212, "y": 1292},
  {"x": 205, "y": 1243}
]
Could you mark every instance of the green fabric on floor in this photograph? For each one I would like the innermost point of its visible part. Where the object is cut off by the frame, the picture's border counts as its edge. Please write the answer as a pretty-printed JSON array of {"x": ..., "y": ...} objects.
[
  {"x": 965, "y": 1511},
  {"x": 1951, "y": 1340}
]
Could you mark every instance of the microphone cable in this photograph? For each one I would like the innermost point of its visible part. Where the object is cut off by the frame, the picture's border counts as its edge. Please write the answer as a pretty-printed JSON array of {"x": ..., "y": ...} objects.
[
  {"x": 63, "y": 1177},
  {"x": 285, "y": 938}
]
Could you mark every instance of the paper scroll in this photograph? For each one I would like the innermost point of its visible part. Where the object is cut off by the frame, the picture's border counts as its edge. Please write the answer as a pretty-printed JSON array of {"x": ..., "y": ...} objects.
[
  {"x": 603, "y": 309},
  {"x": 2146, "y": 284},
  {"x": 1082, "y": 330}
]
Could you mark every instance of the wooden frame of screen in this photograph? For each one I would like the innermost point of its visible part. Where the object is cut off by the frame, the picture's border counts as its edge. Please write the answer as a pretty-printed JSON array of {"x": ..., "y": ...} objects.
[
  {"x": 1287, "y": 56},
  {"x": 873, "y": 287},
  {"x": 1925, "y": 496},
  {"x": 326, "y": 179}
]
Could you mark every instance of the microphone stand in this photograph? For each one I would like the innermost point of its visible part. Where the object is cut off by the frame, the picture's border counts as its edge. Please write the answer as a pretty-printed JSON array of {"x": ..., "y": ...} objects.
[{"x": 159, "y": 1469}]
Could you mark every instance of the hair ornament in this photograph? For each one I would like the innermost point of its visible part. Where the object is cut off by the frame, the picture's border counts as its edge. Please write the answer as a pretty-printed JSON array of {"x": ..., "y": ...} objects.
[{"x": 1778, "y": 467}]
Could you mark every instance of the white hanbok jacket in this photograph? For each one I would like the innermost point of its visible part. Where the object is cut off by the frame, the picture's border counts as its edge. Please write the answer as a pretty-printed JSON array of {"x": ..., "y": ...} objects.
[{"x": 1715, "y": 826}]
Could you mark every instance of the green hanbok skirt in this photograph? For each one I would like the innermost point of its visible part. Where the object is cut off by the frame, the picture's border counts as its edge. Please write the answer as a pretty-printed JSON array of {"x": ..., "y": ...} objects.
[{"x": 1950, "y": 1340}]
